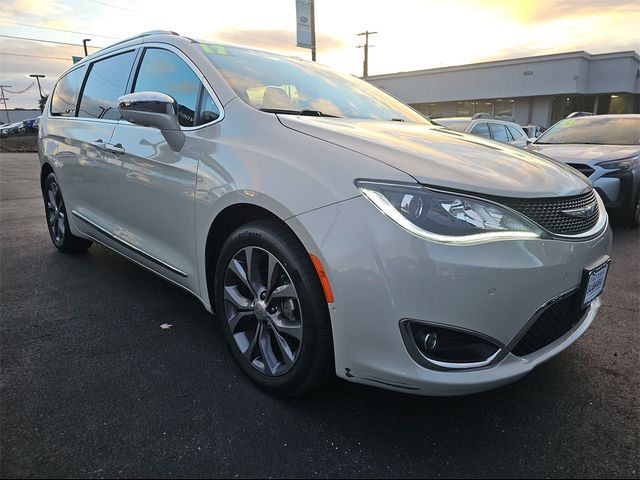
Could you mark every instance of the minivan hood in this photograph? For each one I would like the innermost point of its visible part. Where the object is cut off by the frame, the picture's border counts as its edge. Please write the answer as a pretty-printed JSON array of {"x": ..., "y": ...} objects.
[
  {"x": 440, "y": 157},
  {"x": 577, "y": 153}
]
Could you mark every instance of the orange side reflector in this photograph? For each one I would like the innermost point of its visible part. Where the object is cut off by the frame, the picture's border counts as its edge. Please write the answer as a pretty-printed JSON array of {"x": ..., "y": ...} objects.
[{"x": 324, "y": 280}]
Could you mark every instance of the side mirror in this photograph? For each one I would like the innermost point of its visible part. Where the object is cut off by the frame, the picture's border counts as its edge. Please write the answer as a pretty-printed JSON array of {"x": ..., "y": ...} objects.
[
  {"x": 530, "y": 141},
  {"x": 154, "y": 109}
]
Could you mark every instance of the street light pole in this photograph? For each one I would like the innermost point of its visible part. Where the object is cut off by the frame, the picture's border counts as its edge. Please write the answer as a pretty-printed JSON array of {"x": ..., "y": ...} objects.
[
  {"x": 38, "y": 77},
  {"x": 84, "y": 44}
]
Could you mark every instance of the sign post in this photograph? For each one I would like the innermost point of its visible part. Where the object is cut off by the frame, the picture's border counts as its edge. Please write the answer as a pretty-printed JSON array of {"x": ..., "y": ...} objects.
[{"x": 306, "y": 26}]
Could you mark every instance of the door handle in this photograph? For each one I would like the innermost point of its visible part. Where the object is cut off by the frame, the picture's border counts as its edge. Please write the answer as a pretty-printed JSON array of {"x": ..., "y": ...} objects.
[{"x": 117, "y": 148}]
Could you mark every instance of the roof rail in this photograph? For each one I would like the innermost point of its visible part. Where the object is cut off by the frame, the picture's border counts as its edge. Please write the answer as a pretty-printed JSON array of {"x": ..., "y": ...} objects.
[
  {"x": 580, "y": 114},
  {"x": 143, "y": 34},
  {"x": 157, "y": 32},
  {"x": 505, "y": 118}
]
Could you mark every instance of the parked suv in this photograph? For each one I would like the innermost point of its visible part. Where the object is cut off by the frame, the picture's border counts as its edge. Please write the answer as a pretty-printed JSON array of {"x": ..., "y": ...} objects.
[
  {"x": 605, "y": 148},
  {"x": 332, "y": 229},
  {"x": 488, "y": 127}
]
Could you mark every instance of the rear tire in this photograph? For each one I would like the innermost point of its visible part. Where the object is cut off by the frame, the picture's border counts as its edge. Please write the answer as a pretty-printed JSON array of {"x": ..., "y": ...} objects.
[
  {"x": 58, "y": 219},
  {"x": 276, "y": 324}
]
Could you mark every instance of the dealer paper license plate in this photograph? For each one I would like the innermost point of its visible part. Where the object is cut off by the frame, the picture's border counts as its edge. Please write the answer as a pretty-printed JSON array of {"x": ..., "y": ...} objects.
[{"x": 595, "y": 279}]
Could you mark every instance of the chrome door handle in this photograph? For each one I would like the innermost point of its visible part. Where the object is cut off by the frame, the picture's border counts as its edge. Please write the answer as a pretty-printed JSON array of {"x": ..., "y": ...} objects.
[{"x": 117, "y": 148}]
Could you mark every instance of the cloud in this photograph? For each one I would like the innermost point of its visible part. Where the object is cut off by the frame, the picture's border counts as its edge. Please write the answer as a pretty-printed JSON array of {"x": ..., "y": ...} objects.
[
  {"x": 35, "y": 8},
  {"x": 534, "y": 11},
  {"x": 19, "y": 59},
  {"x": 280, "y": 40}
]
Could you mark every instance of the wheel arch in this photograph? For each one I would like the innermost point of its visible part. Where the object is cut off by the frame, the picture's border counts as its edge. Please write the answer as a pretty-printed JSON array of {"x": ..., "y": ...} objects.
[
  {"x": 44, "y": 173},
  {"x": 225, "y": 223}
]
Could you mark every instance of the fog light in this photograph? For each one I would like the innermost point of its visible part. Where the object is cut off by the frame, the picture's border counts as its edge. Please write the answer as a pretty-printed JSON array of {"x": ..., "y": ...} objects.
[
  {"x": 449, "y": 348},
  {"x": 430, "y": 340}
]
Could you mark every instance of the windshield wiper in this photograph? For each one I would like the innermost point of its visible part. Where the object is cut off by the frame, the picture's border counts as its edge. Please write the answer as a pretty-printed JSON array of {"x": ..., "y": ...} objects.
[{"x": 305, "y": 112}]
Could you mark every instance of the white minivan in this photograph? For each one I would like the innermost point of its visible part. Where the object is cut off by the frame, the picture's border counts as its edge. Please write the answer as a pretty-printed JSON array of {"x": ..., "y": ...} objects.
[{"x": 332, "y": 229}]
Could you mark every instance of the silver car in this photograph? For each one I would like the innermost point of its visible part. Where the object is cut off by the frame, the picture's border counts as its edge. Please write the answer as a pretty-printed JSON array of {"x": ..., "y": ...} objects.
[
  {"x": 332, "y": 229},
  {"x": 605, "y": 148},
  {"x": 487, "y": 126}
]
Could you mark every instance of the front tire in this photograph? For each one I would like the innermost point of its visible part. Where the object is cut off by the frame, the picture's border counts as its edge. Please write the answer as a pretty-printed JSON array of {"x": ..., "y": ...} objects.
[
  {"x": 58, "y": 220},
  {"x": 272, "y": 309},
  {"x": 631, "y": 216}
]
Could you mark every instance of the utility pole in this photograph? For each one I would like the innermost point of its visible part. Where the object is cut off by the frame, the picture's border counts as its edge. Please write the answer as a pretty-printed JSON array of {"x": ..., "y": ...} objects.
[
  {"x": 38, "y": 77},
  {"x": 313, "y": 30},
  {"x": 84, "y": 44},
  {"x": 4, "y": 99},
  {"x": 366, "y": 46}
]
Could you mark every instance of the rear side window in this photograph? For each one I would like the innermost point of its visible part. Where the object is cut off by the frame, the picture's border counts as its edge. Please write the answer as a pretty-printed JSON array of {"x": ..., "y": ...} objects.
[
  {"x": 106, "y": 82},
  {"x": 65, "y": 94},
  {"x": 500, "y": 132},
  {"x": 481, "y": 129},
  {"x": 163, "y": 71},
  {"x": 515, "y": 133}
]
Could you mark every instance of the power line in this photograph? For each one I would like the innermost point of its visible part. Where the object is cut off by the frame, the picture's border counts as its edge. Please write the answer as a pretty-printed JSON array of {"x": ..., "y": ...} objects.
[
  {"x": 44, "y": 41},
  {"x": 114, "y": 6},
  {"x": 32, "y": 56},
  {"x": 58, "y": 29}
]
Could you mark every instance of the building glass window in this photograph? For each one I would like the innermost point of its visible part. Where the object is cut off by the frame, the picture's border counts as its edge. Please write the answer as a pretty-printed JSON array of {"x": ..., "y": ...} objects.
[
  {"x": 503, "y": 107},
  {"x": 466, "y": 109},
  {"x": 564, "y": 105}
]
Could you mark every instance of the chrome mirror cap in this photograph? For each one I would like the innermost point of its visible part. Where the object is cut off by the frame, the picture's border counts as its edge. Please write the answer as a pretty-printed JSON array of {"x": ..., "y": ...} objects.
[{"x": 156, "y": 110}]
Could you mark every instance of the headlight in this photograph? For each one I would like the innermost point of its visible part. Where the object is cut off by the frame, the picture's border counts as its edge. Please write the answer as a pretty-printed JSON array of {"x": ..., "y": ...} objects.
[
  {"x": 446, "y": 217},
  {"x": 622, "y": 164}
]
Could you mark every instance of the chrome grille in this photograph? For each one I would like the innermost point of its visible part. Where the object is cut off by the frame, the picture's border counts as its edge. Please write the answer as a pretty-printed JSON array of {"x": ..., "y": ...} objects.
[
  {"x": 547, "y": 212},
  {"x": 586, "y": 170}
]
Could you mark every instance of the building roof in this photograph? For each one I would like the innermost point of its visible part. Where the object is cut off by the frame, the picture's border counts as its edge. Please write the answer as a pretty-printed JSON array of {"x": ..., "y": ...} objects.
[{"x": 512, "y": 61}]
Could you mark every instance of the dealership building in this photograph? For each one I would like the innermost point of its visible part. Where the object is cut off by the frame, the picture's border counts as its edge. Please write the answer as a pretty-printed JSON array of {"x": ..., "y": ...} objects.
[{"x": 534, "y": 90}]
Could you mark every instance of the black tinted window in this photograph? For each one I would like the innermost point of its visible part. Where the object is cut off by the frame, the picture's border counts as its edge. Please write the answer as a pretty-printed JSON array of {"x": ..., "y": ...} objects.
[
  {"x": 500, "y": 132},
  {"x": 106, "y": 82},
  {"x": 65, "y": 94},
  {"x": 482, "y": 130},
  {"x": 208, "y": 109},
  {"x": 163, "y": 71}
]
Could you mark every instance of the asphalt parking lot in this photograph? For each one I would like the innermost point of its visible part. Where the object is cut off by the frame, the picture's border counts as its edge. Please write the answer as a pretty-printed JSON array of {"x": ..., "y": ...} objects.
[{"x": 91, "y": 386}]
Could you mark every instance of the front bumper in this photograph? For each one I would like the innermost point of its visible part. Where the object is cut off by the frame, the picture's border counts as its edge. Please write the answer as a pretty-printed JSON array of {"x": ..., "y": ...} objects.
[
  {"x": 381, "y": 274},
  {"x": 619, "y": 189}
]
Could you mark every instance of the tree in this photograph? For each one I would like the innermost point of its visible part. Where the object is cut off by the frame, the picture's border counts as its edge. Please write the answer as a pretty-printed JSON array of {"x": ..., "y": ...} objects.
[{"x": 42, "y": 102}]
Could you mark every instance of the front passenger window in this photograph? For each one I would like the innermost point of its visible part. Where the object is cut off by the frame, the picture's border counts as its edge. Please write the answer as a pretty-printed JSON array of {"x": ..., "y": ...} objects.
[{"x": 163, "y": 71}]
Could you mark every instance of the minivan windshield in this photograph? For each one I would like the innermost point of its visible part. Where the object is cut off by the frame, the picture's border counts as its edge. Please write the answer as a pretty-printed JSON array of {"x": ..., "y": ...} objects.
[
  {"x": 609, "y": 130},
  {"x": 282, "y": 84}
]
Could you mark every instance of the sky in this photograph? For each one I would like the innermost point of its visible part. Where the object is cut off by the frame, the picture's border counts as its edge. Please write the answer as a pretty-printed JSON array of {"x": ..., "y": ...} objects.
[{"x": 413, "y": 34}]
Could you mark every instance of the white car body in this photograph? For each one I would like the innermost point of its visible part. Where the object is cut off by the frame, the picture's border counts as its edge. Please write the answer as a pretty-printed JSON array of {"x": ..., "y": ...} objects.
[{"x": 125, "y": 187}]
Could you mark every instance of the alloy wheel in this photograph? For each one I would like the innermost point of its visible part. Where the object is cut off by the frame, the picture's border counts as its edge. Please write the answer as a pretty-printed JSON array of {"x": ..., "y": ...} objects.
[
  {"x": 263, "y": 312},
  {"x": 55, "y": 212}
]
